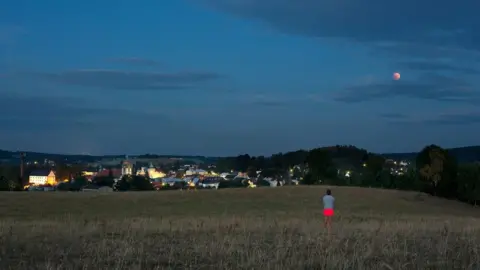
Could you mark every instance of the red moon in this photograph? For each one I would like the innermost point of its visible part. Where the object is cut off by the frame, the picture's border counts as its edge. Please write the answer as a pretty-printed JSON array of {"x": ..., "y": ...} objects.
[{"x": 396, "y": 76}]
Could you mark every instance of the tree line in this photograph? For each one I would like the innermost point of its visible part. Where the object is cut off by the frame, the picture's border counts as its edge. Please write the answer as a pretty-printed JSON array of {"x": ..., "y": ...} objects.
[
  {"x": 435, "y": 170},
  {"x": 126, "y": 183},
  {"x": 322, "y": 162}
]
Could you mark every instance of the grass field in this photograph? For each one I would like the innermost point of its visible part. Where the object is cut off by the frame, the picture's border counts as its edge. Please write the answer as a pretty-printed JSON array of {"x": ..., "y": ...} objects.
[{"x": 264, "y": 228}]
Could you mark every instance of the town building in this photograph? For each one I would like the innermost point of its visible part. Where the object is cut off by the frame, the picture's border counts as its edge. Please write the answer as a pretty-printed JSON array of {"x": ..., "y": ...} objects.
[
  {"x": 127, "y": 167},
  {"x": 42, "y": 177}
]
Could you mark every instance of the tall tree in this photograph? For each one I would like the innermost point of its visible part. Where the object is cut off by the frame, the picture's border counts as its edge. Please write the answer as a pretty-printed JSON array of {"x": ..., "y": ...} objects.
[
  {"x": 469, "y": 183},
  {"x": 242, "y": 162},
  {"x": 439, "y": 169},
  {"x": 320, "y": 164}
]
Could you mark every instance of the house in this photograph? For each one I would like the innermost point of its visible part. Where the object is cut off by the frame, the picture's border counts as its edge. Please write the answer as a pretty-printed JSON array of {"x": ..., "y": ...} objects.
[
  {"x": 151, "y": 172},
  {"x": 195, "y": 172},
  {"x": 42, "y": 177}
]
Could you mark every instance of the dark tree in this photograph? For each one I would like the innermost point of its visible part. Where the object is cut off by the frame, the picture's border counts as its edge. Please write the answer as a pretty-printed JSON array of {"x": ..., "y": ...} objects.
[
  {"x": 242, "y": 163},
  {"x": 251, "y": 171},
  {"x": 439, "y": 169},
  {"x": 134, "y": 183},
  {"x": 320, "y": 164},
  {"x": 468, "y": 183},
  {"x": 79, "y": 182},
  {"x": 103, "y": 181}
]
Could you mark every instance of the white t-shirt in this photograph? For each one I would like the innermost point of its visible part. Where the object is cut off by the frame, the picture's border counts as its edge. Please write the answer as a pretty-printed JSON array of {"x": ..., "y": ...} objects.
[{"x": 328, "y": 202}]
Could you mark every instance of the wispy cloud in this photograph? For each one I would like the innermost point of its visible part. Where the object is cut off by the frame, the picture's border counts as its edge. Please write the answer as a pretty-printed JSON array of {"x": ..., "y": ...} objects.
[
  {"x": 455, "y": 119},
  {"x": 280, "y": 100},
  {"x": 428, "y": 87},
  {"x": 413, "y": 28},
  {"x": 50, "y": 114},
  {"x": 136, "y": 61},
  {"x": 443, "y": 119},
  {"x": 394, "y": 116},
  {"x": 426, "y": 51},
  {"x": 435, "y": 66},
  {"x": 318, "y": 98},
  {"x": 66, "y": 124},
  {"x": 269, "y": 101},
  {"x": 127, "y": 80}
]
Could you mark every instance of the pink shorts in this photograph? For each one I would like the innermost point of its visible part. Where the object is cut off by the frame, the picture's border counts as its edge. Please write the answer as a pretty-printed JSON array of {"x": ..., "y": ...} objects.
[{"x": 328, "y": 212}]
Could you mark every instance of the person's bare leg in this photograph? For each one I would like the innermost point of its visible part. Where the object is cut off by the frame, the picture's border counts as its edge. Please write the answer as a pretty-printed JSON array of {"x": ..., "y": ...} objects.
[{"x": 329, "y": 224}]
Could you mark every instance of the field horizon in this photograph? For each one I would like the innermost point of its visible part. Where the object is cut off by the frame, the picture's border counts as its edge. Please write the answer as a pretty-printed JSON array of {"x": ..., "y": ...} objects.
[{"x": 268, "y": 228}]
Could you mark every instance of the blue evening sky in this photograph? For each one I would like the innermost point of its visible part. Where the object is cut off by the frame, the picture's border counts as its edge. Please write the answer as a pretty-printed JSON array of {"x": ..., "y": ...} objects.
[{"x": 225, "y": 77}]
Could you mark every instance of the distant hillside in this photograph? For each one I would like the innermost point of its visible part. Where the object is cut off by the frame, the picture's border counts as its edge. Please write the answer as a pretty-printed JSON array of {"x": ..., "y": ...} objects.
[
  {"x": 463, "y": 154},
  {"x": 5, "y": 155},
  {"x": 13, "y": 156}
]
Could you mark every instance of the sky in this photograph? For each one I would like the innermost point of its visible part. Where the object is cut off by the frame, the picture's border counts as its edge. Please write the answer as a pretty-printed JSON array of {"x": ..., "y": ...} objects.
[{"x": 228, "y": 77}]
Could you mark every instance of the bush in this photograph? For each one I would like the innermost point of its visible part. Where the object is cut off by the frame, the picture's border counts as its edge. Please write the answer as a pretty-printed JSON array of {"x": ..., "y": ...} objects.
[
  {"x": 134, "y": 183},
  {"x": 232, "y": 184},
  {"x": 78, "y": 183},
  {"x": 179, "y": 185},
  {"x": 263, "y": 183},
  {"x": 103, "y": 181},
  {"x": 68, "y": 186},
  {"x": 309, "y": 179},
  {"x": 63, "y": 186},
  {"x": 8, "y": 184}
]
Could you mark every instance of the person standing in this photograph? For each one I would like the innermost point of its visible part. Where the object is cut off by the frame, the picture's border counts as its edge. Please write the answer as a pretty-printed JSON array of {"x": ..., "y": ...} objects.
[{"x": 328, "y": 205}]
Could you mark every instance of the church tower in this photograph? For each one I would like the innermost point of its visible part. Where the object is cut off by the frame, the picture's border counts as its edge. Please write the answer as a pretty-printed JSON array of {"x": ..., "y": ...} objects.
[{"x": 127, "y": 167}]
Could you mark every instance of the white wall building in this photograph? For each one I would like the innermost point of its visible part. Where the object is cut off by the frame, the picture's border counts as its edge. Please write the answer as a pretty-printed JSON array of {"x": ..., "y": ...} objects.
[
  {"x": 42, "y": 177},
  {"x": 195, "y": 171}
]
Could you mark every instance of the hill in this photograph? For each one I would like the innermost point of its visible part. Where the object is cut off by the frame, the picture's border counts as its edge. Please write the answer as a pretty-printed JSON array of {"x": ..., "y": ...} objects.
[
  {"x": 463, "y": 154},
  {"x": 12, "y": 156},
  {"x": 263, "y": 228}
]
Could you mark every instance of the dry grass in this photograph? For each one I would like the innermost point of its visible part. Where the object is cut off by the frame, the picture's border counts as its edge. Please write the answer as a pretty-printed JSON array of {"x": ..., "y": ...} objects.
[{"x": 268, "y": 228}]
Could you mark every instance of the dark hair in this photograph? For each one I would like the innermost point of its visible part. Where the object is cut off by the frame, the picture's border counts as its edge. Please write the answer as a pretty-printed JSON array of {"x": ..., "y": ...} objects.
[{"x": 329, "y": 192}]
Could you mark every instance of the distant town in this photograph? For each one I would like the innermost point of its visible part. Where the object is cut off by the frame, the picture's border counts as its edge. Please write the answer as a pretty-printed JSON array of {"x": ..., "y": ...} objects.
[
  {"x": 340, "y": 165},
  {"x": 162, "y": 173}
]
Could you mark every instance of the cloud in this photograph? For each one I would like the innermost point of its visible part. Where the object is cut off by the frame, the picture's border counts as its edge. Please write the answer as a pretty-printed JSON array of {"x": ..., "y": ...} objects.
[
  {"x": 428, "y": 87},
  {"x": 443, "y": 119},
  {"x": 436, "y": 66},
  {"x": 269, "y": 101},
  {"x": 21, "y": 113},
  {"x": 73, "y": 125},
  {"x": 426, "y": 52},
  {"x": 127, "y": 80},
  {"x": 279, "y": 100},
  {"x": 455, "y": 119},
  {"x": 394, "y": 116},
  {"x": 136, "y": 61},
  {"x": 439, "y": 24},
  {"x": 316, "y": 98}
]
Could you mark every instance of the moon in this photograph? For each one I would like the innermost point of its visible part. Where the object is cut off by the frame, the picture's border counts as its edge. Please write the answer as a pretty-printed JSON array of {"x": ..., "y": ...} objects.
[{"x": 396, "y": 76}]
